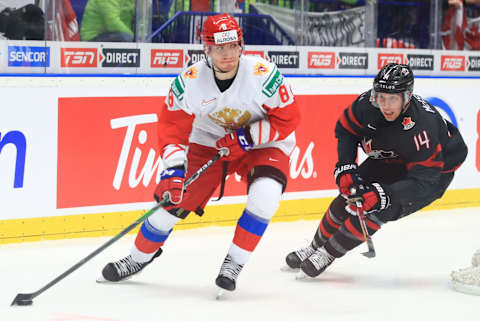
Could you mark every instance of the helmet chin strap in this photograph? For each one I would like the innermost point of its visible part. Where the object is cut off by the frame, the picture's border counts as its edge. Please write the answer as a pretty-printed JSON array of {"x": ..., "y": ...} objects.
[{"x": 406, "y": 104}]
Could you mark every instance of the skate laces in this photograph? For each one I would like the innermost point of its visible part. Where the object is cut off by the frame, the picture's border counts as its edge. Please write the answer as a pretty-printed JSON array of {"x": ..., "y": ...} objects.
[
  {"x": 127, "y": 266},
  {"x": 230, "y": 269},
  {"x": 304, "y": 253},
  {"x": 321, "y": 258}
]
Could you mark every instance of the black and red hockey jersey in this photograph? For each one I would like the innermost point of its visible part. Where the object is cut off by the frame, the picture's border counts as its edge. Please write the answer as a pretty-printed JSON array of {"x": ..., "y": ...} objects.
[{"x": 420, "y": 138}]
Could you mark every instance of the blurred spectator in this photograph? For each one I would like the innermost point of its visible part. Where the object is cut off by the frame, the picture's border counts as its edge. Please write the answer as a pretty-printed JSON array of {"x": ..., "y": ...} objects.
[
  {"x": 327, "y": 6},
  {"x": 228, "y": 6},
  {"x": 460, "y": 31},
  {"x": 403, "y": 24},
  {"x": 108, "y": 20},
  {"x": 24, "y": 23}
]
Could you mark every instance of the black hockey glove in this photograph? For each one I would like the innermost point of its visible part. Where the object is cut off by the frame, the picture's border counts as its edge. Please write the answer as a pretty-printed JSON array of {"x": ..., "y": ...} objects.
[
  {"x": 346, "y": 176},
  {"x": 372, "y": 197}
]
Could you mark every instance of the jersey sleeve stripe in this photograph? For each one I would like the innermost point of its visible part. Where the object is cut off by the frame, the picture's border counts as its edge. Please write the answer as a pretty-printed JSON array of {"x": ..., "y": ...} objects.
[
  {"x": 352, "y": 117},
  {"x": 261, "y": 132},
  {"x": 453, "y": 169},
  {"x": 172, "y": 150},
  {"x": 429, "y": 162},
  {"x": 344, "y": 122}
]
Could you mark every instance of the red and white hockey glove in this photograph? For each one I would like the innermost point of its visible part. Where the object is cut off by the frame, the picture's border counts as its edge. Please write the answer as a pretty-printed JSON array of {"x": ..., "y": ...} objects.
[
  {"x": 171, "y": 184},
  {"x": 372, "y": 196},
  {"x": 237, "y": 142},
  {"x": 346, "y": 176}
]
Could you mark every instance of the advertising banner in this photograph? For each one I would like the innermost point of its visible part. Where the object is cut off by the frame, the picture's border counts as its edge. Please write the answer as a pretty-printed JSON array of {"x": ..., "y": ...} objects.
[
  {"x": 76, "y": 146},
  {"x": 98, "y": 58},
  {"x": 120, "y": 150}
]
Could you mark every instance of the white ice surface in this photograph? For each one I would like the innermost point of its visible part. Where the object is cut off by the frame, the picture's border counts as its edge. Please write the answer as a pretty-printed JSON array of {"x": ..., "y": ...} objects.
[{"x": 408, "y": 280}]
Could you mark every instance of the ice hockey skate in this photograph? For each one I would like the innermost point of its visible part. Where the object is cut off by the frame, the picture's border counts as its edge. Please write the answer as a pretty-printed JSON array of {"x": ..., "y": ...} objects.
[
  {"x": 294, "y": 259},
  {"x": 227, "y": 277},
  {"x": 123, "y": 269},
  {"x": 315, "y": 264},
  {"x": 467, "y": 280}
]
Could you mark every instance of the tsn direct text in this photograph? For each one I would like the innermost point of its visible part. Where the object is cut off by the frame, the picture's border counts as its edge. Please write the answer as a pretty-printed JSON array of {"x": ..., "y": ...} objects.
[
  {"x": 164, "y": 58},
  {"x": 26, "y": 56},
  {"x": 78, "y": 57},
  {"x": 386, "y": 58}
]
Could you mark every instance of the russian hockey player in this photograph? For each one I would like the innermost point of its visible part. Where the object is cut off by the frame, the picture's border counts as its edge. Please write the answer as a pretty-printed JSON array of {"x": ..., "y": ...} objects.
[{"x": 232, "y": 101}]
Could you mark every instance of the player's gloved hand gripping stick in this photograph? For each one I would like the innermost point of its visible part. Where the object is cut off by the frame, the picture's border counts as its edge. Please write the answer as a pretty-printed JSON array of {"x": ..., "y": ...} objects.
[
  {"x": 26, "y": 298},
  {"x": 357, "y": 201}
]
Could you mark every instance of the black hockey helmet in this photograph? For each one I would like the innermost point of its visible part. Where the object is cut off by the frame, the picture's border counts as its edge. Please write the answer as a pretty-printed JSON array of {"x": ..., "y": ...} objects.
[{"x": 394, "y": 78}]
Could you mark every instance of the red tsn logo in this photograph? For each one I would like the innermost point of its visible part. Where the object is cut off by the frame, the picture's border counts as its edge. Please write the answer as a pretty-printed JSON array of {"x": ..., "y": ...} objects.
[
  {"x": 78, "y": 57},
  {"x": 384, "y": 59},
  {"x": 161, "y": 58},
  {"x": 324, "y": 60},
  {"x": 453, "y": 63}
]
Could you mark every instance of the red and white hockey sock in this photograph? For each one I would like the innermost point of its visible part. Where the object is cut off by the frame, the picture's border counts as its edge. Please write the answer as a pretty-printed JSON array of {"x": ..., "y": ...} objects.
[
  {"x": 152, "y": 235},
  {"x": 249, "y": 231}
]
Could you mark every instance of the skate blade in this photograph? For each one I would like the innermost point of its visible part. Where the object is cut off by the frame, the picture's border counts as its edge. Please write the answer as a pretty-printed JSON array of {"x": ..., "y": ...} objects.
[
  {"x": 301, "y": 275},
  {"x": 465, "y": 288},
  {"x": 286, "y": 268},
  {"x": 101, "y": 279},
  {"x": 220, "y": 294}
]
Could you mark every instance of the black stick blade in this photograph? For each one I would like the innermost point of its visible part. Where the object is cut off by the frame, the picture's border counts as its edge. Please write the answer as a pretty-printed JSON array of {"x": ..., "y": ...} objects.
[
  {"x": 369, "y": 254},
  {"x": 23, "y": 299}
]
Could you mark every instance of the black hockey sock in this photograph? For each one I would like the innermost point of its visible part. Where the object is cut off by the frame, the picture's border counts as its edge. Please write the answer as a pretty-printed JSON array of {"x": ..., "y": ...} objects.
[{"x": 349, "y": 236}]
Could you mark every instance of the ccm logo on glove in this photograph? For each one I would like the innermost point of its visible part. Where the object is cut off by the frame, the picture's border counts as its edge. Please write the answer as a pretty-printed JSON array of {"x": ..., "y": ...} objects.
[{"x": 237, "y": 143}]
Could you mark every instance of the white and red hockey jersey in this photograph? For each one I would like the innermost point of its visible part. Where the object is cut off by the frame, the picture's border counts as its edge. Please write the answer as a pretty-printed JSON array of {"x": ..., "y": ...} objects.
[{"x": 195, "y": 110}]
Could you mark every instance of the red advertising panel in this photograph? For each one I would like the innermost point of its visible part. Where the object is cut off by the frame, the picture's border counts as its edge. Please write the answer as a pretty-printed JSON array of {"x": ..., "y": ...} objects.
[
  {"x": 386, "y": 58},
  {"x": 321, "y": 60},
  {"x": 78, "y": 57},
  {"x": 108, "y": 154},
  {"x": 166, "y": 58},
  {"x": 452, "y": 63}
]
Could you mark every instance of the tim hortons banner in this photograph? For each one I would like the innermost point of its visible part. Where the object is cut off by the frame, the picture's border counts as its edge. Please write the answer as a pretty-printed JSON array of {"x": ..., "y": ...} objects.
[{"x": 118, "y": 161}]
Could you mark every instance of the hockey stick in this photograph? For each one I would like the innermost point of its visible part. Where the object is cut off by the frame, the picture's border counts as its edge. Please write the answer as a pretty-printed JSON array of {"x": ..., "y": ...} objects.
[
  {"x": 26, "y": 298},
  {"x": 366, "y": 235}
]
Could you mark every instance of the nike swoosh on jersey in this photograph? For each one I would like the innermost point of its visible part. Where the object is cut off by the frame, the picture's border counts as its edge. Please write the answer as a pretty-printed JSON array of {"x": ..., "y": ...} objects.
[
  {"x": 206, "y": 102},
  {"x": 371, "y": 127},
  {"x": 273, "y": 159}
]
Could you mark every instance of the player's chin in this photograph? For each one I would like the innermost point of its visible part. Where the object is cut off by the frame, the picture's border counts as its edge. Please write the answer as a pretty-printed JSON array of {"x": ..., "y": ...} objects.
[
  {"x": 228, "y": 65},
  {"x": 389, "y": 116}
]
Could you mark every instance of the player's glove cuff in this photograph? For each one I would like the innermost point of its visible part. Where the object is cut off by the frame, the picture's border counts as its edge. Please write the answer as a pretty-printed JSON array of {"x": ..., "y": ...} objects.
[{"x": 244, "y": 139}]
